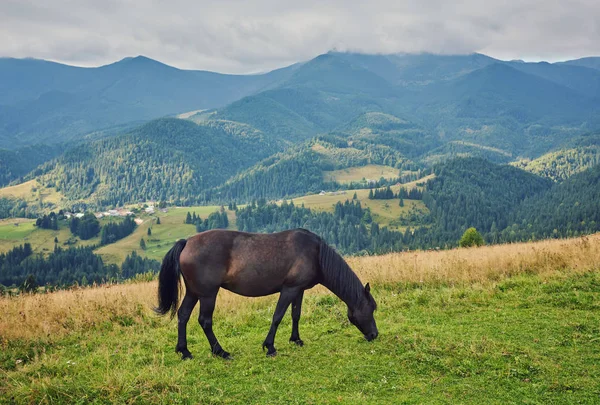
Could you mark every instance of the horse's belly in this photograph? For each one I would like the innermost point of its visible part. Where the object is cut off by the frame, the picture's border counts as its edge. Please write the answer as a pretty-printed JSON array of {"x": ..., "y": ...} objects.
[
  {"x": 254, "y": 281},
  {"x": 252, "y": 290}
]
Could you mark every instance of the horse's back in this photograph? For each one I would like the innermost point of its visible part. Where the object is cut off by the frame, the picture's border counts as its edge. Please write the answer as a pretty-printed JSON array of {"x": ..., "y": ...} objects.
[{"x": 253, "y": 264}]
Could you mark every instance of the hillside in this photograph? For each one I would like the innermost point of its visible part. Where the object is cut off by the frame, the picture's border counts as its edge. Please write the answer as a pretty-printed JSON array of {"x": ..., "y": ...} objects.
[
  {"x": 473, "y": 192},
  {"x": 321, "y": 95},
  {"x": 501, "y": 107},
  {"x": 464, "y": 106},
  {"x": 521, "y": 109},
  {"x": 404, "y": 136},
  {"x": 571, "y": 207},
  {"x": 15, "y": 164},
  {"x": 592, "y": 62},
  {"x": 415, "y": 70},
  {"x": 576, "y": 156},
  {"x": 48, "y": 102},
  {"x": 516, "y": 107},
  {"x": 458, "y": 149},
  {"x": 301, "y": 169},
  {"x": 511, "y": 323},
  {"x": 168, "y": 159},
  {"x": 584, "y": 80}
]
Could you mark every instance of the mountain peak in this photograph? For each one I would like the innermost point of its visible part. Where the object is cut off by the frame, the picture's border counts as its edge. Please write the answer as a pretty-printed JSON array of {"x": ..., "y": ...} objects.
[{"x": 135, "y": 62}]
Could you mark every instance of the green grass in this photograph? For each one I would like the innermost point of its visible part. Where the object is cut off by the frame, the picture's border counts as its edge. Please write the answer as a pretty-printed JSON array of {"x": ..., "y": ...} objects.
[
  {"x": 523, "y": 340},
  {"x": 163, "y": 236},
  {"x": 41, "y": 240},
  {"x": 16, "y": 229}
]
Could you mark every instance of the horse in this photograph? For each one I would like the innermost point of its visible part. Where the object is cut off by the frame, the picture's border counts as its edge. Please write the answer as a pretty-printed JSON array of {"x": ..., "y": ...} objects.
[{"x": 255, "y": 265}]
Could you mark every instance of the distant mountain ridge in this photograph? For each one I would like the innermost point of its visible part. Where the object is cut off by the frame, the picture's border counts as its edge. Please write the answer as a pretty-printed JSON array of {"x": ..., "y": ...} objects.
[
  {"x": 44, "y": 101},
  {"x": 422, "y": 109}
]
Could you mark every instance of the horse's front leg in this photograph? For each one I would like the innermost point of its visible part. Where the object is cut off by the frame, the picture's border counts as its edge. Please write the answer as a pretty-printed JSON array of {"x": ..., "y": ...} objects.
[
  {"x": 207, "y": 307},
  {"x": 296, "y": 310},
  {"x": 183, "y": 316},
  {"x": 286, "y": 297}
]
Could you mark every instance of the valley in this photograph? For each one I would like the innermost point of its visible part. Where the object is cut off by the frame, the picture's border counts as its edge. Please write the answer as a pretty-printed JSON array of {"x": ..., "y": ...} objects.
[{"x": 401, "y": 151}]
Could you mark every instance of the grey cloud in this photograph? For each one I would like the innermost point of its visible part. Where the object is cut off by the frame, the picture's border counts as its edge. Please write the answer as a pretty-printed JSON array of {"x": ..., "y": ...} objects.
[{"x": 243, "y": 36}]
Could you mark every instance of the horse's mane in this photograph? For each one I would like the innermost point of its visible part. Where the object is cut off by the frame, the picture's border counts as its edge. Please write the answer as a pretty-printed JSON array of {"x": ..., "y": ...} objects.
[{"x": 338, "y": 276}]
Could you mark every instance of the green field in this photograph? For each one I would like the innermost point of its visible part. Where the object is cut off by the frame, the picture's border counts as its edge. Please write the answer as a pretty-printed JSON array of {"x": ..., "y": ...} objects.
[
  {"x": 171, "y": 228},
  {"x": 524, "y": 340},
  {"x": 163, "y": 236},
  {"x": 41, "y": 240}
]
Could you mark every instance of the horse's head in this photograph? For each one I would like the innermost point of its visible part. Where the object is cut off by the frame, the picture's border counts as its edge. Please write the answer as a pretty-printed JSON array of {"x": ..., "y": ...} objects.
[{"x": 361, "y": 315}]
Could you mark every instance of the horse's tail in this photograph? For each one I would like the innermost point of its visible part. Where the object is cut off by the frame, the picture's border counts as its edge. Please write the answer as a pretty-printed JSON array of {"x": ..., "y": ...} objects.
[{"x": 169, "y": 281}]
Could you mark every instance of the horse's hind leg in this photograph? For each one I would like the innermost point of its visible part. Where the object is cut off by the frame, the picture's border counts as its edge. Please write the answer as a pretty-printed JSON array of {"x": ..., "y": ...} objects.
[
  {"x": 207, "y": 307},
  {"x": 285, "y": 299},
  {"x": 296, "y": 311},
  {"x": 183, "y": 315}
]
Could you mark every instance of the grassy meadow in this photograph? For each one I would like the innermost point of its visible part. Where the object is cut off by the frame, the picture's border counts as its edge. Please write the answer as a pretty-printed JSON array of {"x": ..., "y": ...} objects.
[
  {"x": 17, "y": 231},
  {"x": 385, "y": 212},
  {"x": 164, "y": 235},
  {"x": 373, "y": 172},
  {"x": 33, "y": 193},
  {"x": 499, "y": 324}
]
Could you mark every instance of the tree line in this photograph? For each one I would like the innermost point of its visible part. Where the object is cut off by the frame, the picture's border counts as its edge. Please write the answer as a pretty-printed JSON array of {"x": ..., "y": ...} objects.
[{"x": 20, "y": 267}]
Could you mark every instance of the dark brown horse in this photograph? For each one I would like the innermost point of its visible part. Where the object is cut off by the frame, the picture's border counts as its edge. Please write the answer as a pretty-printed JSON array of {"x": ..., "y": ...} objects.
[{"x": 255, "y": 265}]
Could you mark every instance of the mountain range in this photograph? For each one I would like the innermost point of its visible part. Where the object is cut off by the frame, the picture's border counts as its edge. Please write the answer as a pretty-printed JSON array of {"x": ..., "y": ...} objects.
[{"x": 139, "y": 129}]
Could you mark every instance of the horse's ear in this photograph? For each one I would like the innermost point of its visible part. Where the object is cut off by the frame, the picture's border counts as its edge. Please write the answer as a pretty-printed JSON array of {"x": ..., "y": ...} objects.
[{"x": 367, "y": 288}]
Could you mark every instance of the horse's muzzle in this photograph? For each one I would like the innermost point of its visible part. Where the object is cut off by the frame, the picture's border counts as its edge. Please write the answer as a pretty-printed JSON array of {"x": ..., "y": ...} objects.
[{"x": 371, "y": 336}]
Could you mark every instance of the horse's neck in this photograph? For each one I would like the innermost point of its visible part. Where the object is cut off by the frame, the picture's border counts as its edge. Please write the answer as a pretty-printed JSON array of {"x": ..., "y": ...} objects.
[{"x": 344, "y": 283}]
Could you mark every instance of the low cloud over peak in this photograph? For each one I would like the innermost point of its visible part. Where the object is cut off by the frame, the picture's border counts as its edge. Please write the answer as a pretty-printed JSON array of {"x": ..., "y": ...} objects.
[{"x": 242, "y": 37}]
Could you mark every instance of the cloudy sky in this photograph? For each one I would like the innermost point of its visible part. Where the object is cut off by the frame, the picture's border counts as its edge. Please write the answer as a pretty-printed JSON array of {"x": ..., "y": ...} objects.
[{"x": 251, "y": 36}]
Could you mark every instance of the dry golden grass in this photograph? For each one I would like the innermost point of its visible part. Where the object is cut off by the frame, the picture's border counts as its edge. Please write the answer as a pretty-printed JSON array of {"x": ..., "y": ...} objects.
[
  {"x": 51, "y": 316},
  {"x": 358, "y": 173},
  {"x": 25, "y": 191},
  {"x": 385, "y": 212},
  {"x": 483, "y": 264}
]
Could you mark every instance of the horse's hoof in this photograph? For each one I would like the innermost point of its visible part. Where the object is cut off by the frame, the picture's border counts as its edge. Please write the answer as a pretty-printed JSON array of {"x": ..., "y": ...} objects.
[
  {"x": 272, "y": 354},
  {"x": 298, "y": 342},
  {"x": 222, "y": 354},
  {"x": 187, "y": 356}
]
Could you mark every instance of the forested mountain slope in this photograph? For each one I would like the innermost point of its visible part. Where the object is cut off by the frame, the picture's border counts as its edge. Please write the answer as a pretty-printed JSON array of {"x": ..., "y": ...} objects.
[
  {"x": 473, "y": 192},
  {"x": 167, "y": 159},
  {"x": 300, "y": 170},
  {"x": 565, "y": 162},
  {"x": 15, "y": 164},
  {"x": 520, "y": 109},
  {"x": 569, "y": 208}
]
